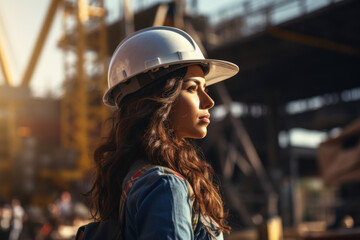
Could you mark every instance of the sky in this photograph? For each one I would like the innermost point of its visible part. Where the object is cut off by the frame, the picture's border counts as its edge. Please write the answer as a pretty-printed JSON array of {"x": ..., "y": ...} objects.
[{"x": 20, "y": 23}]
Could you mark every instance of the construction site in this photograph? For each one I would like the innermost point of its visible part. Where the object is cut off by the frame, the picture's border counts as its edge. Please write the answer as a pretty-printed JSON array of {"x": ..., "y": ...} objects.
[{"x": 284, "y": 139}]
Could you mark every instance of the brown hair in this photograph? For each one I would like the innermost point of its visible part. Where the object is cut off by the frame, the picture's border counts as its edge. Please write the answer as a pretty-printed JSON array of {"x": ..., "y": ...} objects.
[{"x": 141, "y": 129}]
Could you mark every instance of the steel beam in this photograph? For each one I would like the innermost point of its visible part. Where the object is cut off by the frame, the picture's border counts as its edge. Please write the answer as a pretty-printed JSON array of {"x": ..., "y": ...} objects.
[{"x": 40, "y": 42}]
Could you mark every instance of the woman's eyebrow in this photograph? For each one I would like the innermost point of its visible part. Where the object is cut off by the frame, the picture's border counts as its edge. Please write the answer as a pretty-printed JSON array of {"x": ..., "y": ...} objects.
[{"x": 194, "y": 80}]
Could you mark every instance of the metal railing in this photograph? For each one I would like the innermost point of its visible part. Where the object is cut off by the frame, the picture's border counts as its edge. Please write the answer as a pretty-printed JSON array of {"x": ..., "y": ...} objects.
[
  {"x": 242, "y": 18},
  {"x": 257, "y": 15}
]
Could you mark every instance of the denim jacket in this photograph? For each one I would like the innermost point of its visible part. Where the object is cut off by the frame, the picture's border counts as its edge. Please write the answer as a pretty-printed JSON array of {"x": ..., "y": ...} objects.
[{"x": 158, "y": 207}]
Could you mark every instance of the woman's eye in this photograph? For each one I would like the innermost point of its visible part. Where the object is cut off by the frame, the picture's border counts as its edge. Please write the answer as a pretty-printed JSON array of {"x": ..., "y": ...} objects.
[{"x": 192, "y": 88}]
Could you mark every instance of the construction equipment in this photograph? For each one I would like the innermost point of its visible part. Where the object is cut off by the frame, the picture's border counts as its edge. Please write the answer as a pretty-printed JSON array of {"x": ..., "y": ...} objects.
[{"x": 82, "y": 111}]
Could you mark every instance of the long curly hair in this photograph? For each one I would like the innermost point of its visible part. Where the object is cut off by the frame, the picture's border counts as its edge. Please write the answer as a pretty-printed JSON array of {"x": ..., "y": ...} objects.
[{"x": 140, "y": 129}]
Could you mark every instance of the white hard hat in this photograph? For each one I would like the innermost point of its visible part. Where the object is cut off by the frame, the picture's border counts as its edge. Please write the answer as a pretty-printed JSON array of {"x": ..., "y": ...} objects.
[{"x": 153, "y": 49}]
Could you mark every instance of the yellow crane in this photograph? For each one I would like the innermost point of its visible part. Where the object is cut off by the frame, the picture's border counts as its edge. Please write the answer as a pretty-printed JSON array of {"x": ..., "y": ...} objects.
[
  {"x": 81, "y": 115},
  {"x": 10, "y": 100}
]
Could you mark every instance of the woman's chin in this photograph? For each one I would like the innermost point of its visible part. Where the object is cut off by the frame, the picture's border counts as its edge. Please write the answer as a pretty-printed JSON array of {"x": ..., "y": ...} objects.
[{"x": 198, "y": 135}]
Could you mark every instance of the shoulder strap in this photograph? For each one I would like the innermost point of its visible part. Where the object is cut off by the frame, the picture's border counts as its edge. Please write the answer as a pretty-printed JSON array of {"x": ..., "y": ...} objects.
[{"x": 80, "y": 233}]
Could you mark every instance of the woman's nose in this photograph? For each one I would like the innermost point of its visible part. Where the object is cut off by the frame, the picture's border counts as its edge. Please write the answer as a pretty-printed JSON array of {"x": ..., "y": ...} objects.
[{"x": 206, "y": 101}]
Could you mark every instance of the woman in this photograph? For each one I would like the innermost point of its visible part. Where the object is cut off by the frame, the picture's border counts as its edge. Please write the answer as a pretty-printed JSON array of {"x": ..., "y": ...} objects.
[{"x": 150, "y": 180}]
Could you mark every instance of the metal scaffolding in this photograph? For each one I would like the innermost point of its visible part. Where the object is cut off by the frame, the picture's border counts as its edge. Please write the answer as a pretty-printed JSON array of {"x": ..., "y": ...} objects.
[{"x": 85, "y": 63}]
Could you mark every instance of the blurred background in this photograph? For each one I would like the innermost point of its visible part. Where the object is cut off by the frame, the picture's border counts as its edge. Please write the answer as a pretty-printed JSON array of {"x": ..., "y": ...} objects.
[{"x": 284, "y": 138}]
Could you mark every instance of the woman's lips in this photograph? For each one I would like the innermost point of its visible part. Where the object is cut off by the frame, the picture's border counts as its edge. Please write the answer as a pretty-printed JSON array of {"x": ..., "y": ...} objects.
[{"x": 205, "y": 118}]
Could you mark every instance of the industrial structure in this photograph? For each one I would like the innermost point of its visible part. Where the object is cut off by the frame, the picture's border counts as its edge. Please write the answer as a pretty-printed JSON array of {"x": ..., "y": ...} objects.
[
  {"x": 80, "y": 109},
  {"x": 299, "y": 72}
]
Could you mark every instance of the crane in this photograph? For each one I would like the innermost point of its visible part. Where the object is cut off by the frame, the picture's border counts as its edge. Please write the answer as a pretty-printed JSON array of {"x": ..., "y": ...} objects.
[{"x": 80, "y": 113}]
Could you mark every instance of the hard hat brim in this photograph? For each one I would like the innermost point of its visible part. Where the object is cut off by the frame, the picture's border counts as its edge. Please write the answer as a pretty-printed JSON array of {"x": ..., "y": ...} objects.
[{"x": 219, "y": 70}]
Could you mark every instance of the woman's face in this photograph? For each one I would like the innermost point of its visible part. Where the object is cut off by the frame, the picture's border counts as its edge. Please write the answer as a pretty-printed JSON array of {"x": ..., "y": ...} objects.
[{"x": 190, "y": 114}]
